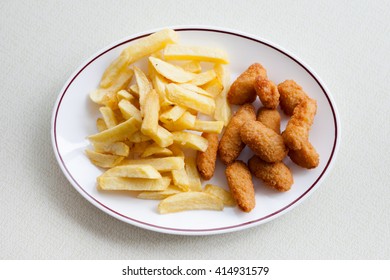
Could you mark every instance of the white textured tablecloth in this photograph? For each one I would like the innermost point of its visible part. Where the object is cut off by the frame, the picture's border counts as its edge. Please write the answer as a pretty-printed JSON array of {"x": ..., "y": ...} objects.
[{"x": 43, "y": 217}]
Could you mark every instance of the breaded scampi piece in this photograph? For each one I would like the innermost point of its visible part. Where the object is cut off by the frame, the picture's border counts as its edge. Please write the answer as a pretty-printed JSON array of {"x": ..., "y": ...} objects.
[
  {"x": 275, "y": 175},
  {"x": 205, "y": 161},
  {"x": 291, "y": 94},
  {"x": 298, "y": 127},
  {"x": 239, "y": 179},
  {"x": 306, "y": 157},
  {"x": 242, "y": 90},
  {"x": 270, "y": 118},
  {"x": 267, "y": 91},
  {"x": 230, "y": 145},
  {"x": 263, "y": 141}
]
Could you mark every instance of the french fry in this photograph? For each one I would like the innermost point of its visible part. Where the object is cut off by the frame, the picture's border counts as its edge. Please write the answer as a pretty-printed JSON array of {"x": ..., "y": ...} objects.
[
  {"x": 221, "y": 193},
  {"x": 117, "y": 133},
  {"x": 133, "y": 171},
  {"x": 172, "y": 114},
  {"x": 159, "y": 195},
  {"x": 163, "y": 137},
  {"x": 208, "y": 126},
  {"x": 98, "y": 95},
  {"x": 124, "y": 94},
  {"x": 128, "y": 110},
  {"x": 193, "y": 174},
  {"x": 141, "y": 48},
  {"x": 197, "y": 89},
  {"x": 189, "y": 201},
  {"x": 150, "y": 44},
  {"x": 176, "y": 151},
  {"x": 186, "y": 121},
  {"x": 134, "y": 89},
  {"x": 213, "y": 88},
  {"x": 190, "y": 99},
  {"x": 152, "y": 107},
  {"x": 155, "y": 150},
  {"x": 190, "y": 140},
  {"x": 100, "y": 125},
  {"x": 192, "y": 66},
  {"x": 180, "y": 179},
  {"x": 119, "y": 116},
  {"x": 103, "y": 160},
  {"x": 161, "y": 164},
  {"x": 132, "y": 184},
  {"x": 180, "y": 52},
  {"x": 122, "y": 80},
  {"x": 144, "y": 87},
  {"x": 222, "y": 107},
  {"x": 108, "y": 96},
  {"x": 159, "y": 83},
  {"x": 170, "y": 71},
  {"x": 108, "y": 116},
  {"x": 112, "y": 71},
  {"x": 204, "y": 77},
  {"x": 138, "y": 137},
  {"x": 138, "y": 148},
  {"x": 117, "y": 148}
]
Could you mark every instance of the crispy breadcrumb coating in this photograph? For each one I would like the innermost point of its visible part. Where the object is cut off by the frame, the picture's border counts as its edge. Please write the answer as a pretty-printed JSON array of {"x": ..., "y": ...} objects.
[
  {"x": 263, "y": 141},
  {"x": 306, "y": 157},
  {"x": 242, "y": 90},
  {"x": 291, "y": 94},
  {"x": 270, "y": 118},
  {"x": 298, "y": 127},
  {"x": 267, "y": 91},
  {"x": 205, "y": 161},
  {"x": 275, "y": 175},
  {"x": 231, "y": 145},
  {"x": 239, "y": 179}
]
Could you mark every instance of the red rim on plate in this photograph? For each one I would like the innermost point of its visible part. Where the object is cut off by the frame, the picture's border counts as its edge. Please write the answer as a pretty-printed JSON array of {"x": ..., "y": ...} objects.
[{"x": 204, "y": 231}]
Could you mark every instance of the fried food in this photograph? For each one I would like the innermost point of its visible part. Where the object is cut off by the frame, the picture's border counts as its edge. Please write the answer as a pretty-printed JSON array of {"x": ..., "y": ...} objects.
[
  {"x": 133, "y": 171},
  {"x": 221, "y": 193},
  {"x": 190, "y": 140},
  {"x": 298, "y": 127},
  {"x": 132, "y": 184},
  {"x": 242, "y": 90},
  {"x": 147, "y": 122},
  {"x": 205, "y": 161},
  {"x": 263, "y": 141},
  {"x": 275, "y": 175},
  {"x": 103, "y": 160},
  {"x": 306, "y": 157},
  {"x": 193, "y": 174},
  {"x": 179, "y": 52},
  {"x": 241, "y": 186},
  {"x": 116, "y": 133},
  {"x": 267, "y": 91},
  {"x": 291, "y": 94},
  {"x": 190, "y": 201},
  {"x": 141, "y": 48},
  {"x": 171, "y": 72},
  {"x": 208, "y": 126},
  {"x": 190, "y": 99},
  {"x": 231, "y": 145},
  {"x": 222, "y": 107},
  {"x": 159, "y": 195},
  {"x": 270, "y": 118}
]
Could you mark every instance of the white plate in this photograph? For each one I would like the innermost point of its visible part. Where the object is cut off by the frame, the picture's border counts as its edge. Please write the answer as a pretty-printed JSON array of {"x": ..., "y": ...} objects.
[{"x": 74, "y": 119}]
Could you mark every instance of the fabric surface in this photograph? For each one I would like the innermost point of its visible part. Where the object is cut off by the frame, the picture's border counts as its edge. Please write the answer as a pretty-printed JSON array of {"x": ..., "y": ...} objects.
[{"x": 44, "y": 217}]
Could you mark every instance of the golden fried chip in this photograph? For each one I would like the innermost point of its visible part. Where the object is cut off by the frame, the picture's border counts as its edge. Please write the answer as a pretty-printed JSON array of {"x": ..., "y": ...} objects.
[{"x": 189, "y": 201}]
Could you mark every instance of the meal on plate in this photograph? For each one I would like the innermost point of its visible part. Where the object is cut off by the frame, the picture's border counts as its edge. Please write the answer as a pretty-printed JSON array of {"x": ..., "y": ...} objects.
[{"x": 166, "y": 117}]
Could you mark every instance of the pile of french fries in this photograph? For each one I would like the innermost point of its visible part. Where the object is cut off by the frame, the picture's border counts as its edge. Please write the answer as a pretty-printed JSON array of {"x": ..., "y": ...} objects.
[{"x": 151, "y": 121}]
